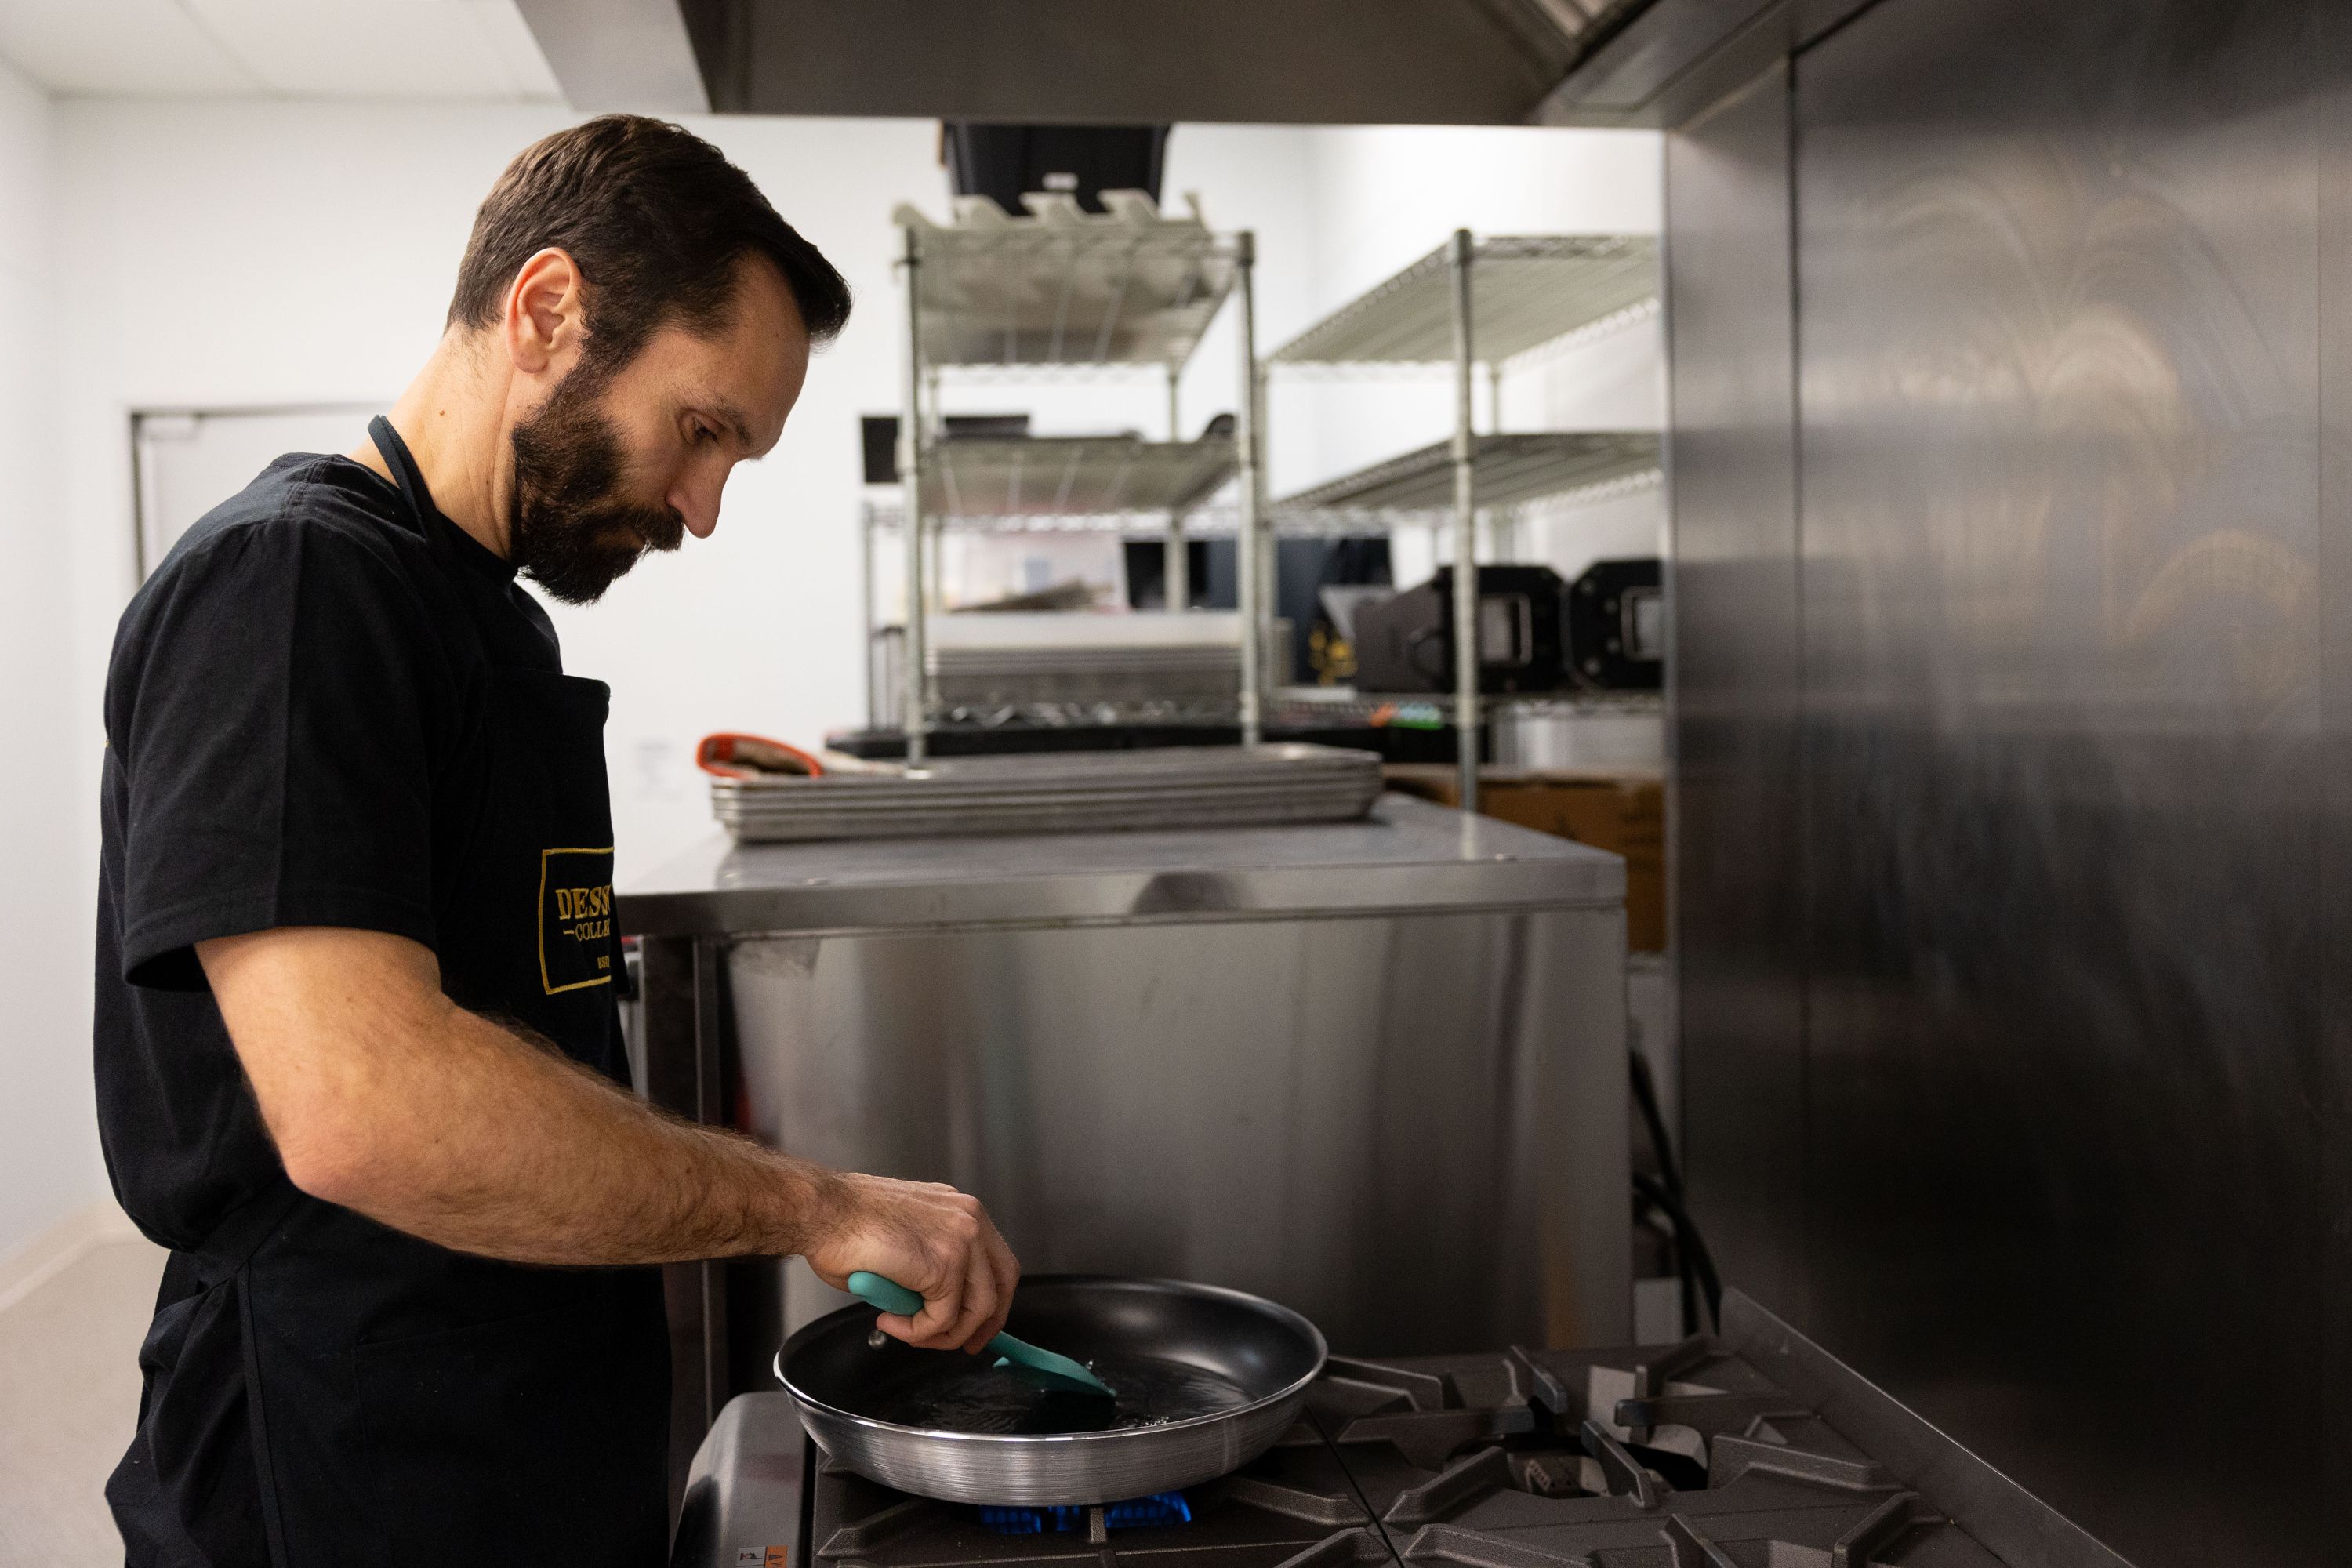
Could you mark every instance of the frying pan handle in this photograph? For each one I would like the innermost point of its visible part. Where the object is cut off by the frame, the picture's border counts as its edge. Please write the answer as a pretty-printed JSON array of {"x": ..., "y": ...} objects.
[{"x": 887, "y": 1294}]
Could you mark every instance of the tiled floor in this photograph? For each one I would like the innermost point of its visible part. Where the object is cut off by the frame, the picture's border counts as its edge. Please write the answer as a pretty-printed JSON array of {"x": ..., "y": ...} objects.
[{"x": 68, "y": 1396}]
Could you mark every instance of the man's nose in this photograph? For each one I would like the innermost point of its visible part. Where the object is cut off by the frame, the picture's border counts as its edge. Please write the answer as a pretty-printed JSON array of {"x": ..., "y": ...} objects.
[{"x": 696, "y": 499}]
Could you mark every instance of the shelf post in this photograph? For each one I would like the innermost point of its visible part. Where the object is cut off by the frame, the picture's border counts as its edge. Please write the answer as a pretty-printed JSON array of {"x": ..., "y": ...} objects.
[
  {"x": 1247, "y": 552},
  {"x": 1268, "y": 559},
  {"x": 913, "y": 642},
  {"x": 1175, "y": 573},
  {"x": 1466, "y": 725},
  {"x": 865, "y": 609}
]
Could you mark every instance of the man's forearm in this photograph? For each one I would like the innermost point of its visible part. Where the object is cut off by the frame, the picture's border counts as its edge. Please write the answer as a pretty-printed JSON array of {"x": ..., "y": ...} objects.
[
  {"x": 386, "y": 1097},
  {"x": 495, "y": 1143}
]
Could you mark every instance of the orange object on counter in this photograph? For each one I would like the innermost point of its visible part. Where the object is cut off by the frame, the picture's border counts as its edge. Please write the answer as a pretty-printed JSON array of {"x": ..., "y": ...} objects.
[{"x": 731, "y": 755}]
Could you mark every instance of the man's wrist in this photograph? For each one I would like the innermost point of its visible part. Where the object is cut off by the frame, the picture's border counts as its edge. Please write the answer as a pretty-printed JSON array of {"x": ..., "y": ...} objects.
[{"x": 814, "y": 1206}]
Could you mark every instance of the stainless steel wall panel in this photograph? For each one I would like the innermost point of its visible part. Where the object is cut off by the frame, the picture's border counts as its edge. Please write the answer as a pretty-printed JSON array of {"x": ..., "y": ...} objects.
[
  {"x": 2057, "y": 311},
  {"x": 1733, "y": 468},
  {"x": 1410, "y": 1128},
  {"x": 2073, "y": 695},
  {"x": 2332, "y": 1071}
]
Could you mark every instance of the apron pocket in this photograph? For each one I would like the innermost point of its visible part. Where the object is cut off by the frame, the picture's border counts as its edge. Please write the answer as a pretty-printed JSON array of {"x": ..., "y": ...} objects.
[{"x": 537, "y": 1438}]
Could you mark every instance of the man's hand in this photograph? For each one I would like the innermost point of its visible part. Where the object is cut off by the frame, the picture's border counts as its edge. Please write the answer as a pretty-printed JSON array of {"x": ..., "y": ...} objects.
[
  {"x": 387, "y": 1098},
  {"x": 934, "y": 1240}
]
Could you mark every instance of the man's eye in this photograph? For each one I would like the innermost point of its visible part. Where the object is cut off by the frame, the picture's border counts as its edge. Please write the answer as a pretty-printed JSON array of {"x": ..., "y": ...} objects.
[{"x": 701, "y": 433}]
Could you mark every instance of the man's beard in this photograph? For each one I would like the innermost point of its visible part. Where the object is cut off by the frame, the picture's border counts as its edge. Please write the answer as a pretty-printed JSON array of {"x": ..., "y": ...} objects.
[{"x": 567, "y": 526}]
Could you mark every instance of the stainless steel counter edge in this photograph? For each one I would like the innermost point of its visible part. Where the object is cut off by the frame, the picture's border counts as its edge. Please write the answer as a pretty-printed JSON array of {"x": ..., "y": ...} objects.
[{"x": 1407, "y": 854}]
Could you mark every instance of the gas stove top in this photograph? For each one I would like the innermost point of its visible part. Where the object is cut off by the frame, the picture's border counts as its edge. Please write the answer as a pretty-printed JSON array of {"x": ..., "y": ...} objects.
[{"x": 1750, "y": 1448}]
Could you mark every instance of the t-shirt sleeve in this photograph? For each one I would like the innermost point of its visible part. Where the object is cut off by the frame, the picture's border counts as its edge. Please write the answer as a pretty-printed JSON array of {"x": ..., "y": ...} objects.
[{"x": 269, "y": 705}]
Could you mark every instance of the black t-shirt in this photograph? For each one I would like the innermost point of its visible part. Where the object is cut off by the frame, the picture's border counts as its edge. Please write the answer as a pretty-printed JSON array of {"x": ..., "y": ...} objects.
[{"x": 295, "y": 722}]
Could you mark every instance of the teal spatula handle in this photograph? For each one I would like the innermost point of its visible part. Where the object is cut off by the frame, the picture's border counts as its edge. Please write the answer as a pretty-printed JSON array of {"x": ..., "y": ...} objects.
[
  {"x": 890, "y": 1296},
  {"x": 886, "y": 1294}
]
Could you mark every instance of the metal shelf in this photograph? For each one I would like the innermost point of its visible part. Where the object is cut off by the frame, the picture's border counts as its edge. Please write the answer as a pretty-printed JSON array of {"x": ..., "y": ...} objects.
[
  {"x": 1062, "y": 286},
  {"x": 886, "y": 513},
  {"x": 1202, "y": 710},
  {"x": 1506, "y": 471},
  {"x": 1346, "y": 704},
  {"x": 1527, "y": 490},
  {"x": 1298, "y": 706},
  {"x": 1529, "y": 289},
  {"x": 1218, "y": 520},
  {"x": 1071, "y": 476}
]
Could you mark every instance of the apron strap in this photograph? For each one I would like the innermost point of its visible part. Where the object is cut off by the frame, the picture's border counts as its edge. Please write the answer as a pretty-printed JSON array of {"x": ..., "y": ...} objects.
[
  {"x": 264, "y": 1461},
  {"x": 402, "y": 464},
  {"x": 221, "y": 1261}
]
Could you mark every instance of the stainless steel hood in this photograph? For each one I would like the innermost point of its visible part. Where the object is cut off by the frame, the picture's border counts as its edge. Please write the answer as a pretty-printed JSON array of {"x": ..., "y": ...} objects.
[
  {"x": 1082, "y": 62},
  {"x": 1675, "y": 57},
  {"x": 1472, "y": 62}
]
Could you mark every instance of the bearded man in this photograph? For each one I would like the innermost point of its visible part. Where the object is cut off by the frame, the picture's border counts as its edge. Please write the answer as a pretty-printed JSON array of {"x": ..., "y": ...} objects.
[{"x": 359, "y": 1063}]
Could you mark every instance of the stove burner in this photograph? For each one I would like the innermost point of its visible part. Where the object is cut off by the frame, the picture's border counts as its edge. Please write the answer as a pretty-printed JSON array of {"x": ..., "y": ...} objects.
[
  {"x": 1159, "y": 1509},
  {"x": 1718, "y": 1452}
]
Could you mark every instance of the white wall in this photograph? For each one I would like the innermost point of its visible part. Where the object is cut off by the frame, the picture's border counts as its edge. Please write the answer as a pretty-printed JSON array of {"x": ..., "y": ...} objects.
[
  {"x": 49, "y": 1155},
  {"x": 223, "y": 253}
]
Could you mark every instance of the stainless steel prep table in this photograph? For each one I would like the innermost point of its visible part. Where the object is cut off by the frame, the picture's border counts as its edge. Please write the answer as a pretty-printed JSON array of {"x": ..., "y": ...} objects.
[{"x": 1373, "y": 1071}]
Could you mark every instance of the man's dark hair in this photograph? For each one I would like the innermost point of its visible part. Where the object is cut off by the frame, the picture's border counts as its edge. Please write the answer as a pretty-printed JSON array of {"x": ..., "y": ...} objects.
[{"x": 659, "y": 222}]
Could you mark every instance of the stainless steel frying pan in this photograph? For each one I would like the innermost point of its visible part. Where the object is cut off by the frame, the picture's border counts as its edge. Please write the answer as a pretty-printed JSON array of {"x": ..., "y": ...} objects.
[{"x": 1208, "y": 1379}]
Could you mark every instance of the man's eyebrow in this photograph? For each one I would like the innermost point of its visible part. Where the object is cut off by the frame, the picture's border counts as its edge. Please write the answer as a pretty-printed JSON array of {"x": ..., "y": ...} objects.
[{"x": 727, "y": 413}]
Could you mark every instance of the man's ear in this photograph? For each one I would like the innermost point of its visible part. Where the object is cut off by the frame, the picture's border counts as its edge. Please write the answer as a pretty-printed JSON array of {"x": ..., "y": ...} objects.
[{"x": 546, "y": 316}]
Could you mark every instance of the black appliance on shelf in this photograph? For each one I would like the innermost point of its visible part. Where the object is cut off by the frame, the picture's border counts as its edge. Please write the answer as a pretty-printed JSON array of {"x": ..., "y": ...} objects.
[
  {"x": 878, "y": 439},
  {"x": 1617, "y": 625},
  {"x": 1405, "y": 643},
  {"x": 1005, "y": 162},
  {"x": 1744, "y": 1449}
]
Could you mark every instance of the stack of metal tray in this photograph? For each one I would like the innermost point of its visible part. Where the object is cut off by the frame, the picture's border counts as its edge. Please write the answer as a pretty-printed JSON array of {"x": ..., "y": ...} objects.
[{"x": 1080, "y": 792}]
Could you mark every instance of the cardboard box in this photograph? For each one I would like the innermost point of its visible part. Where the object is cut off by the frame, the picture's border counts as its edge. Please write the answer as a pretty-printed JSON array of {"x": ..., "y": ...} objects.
[{"x": 1624, "y": 813}]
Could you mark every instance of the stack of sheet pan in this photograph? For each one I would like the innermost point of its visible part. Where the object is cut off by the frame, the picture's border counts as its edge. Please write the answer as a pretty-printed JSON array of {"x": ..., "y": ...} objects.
[{"x": 1078, "y": 792}]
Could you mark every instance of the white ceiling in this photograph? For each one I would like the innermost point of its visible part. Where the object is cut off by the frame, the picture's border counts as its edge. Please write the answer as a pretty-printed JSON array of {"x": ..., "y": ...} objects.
[{"x": 478, "y": 50}]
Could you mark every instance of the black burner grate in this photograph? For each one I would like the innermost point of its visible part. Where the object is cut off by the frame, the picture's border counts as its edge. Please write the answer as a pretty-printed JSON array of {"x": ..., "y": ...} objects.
[{"x": 1680, "y": 1457}]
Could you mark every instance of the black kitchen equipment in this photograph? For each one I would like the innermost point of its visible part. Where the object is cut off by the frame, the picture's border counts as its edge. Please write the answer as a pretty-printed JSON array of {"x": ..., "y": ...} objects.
[
  {"x": 1005, "y": 162},
  {"x": 1406, "y": 643},
  {"x": 877, "y": 437},
  {"x": 1207, "y": 1378},
  {"x": 1617, "y": 625}
]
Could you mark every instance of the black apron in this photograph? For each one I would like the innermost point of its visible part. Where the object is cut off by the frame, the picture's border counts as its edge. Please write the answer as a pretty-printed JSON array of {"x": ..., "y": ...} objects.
[{"x": 322, "y": 1390}]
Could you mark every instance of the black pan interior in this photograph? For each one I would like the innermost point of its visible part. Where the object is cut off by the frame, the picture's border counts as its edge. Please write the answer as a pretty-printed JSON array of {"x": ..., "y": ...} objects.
[{"x": 1173, "y": 1353}]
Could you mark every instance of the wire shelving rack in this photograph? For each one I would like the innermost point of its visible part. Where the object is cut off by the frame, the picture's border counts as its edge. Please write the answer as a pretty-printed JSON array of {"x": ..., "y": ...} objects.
[
  {"x": 1468, "y": 303},
  {"x": 1058, "y": 291}
]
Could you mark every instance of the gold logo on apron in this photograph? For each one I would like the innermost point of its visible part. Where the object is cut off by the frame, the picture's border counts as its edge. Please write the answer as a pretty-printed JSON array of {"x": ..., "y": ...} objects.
[{"x": 576, "y": 919}]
